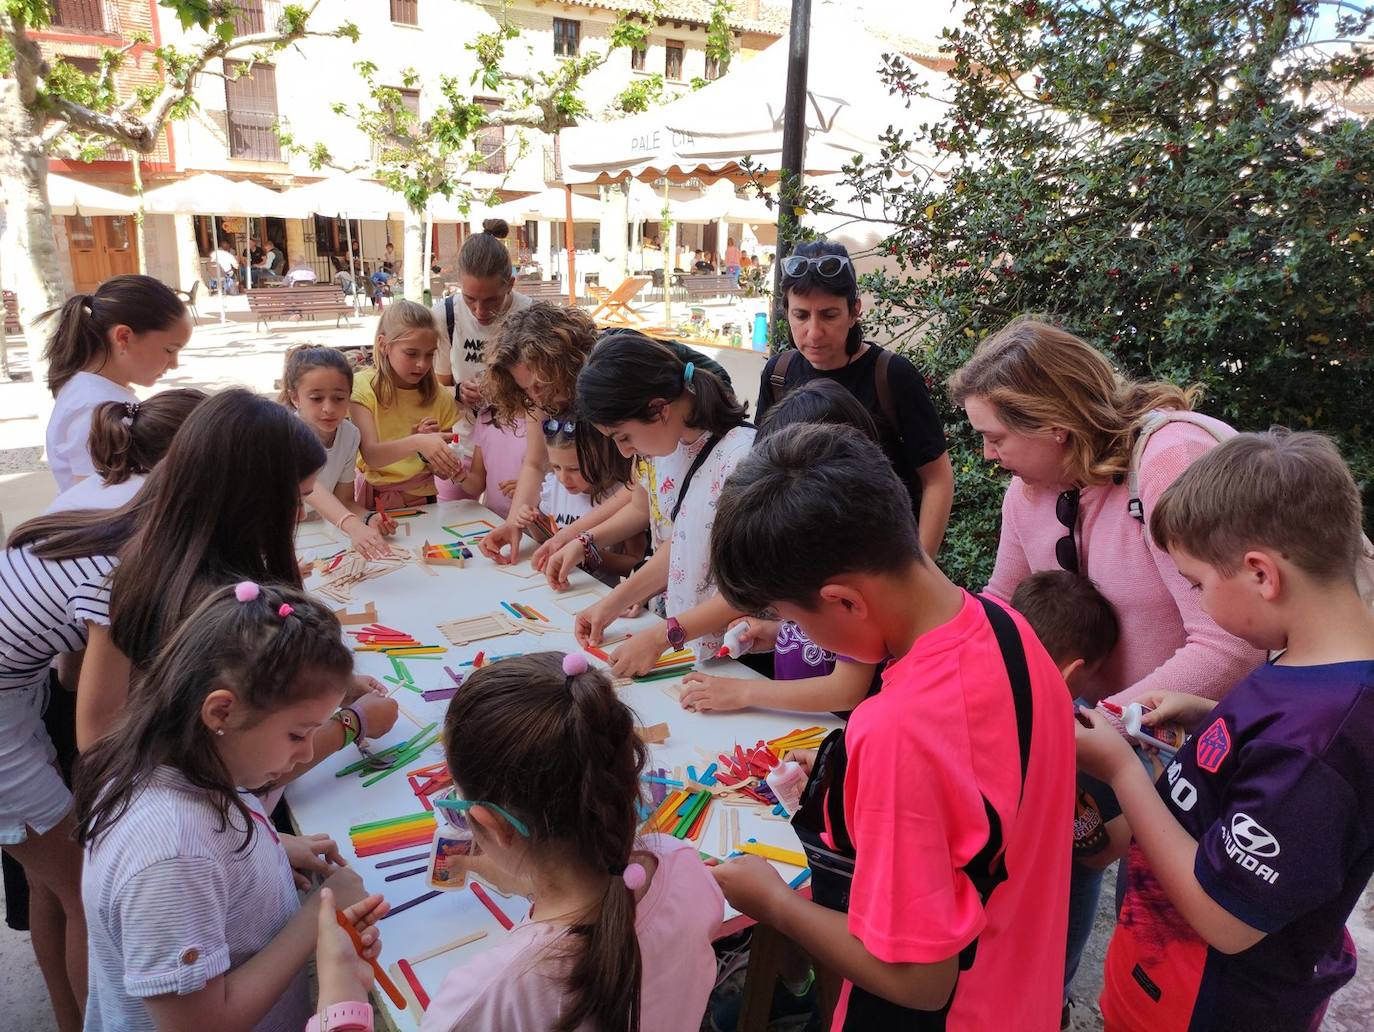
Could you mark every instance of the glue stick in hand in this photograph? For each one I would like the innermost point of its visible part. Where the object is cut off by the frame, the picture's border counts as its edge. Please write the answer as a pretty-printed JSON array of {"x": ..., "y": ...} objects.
[{"x": 735, "y": 641}]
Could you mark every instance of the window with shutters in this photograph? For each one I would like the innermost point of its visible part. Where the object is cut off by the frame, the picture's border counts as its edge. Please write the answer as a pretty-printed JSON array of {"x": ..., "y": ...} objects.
[
  {"x": 491, "y": 139},
  {"x": 248, "y": 18},
  {"x": 250, "y": 100},
  {"x": 637, "y": 55},
  {"x": 672, "y": 60},
  {"x": 79, "y": 14},
  {"x": 405, "y": 12},
  {"x": 567, "y": 37},
  {"x": 410, "y": 102}
]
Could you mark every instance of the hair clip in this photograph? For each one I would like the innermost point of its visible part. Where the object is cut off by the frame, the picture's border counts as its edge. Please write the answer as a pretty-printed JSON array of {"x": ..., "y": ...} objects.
[
  {"x": 687, "y": 375},
  {"x": 285, "y": 610},
  {"x": 246, "y": 591},
  {"x": 635, "y": 876},
  {"x": 130, "y": 412}
]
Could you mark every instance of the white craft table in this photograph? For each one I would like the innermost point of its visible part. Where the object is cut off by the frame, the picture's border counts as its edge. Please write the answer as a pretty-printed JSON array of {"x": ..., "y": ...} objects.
[{"x": 412, "y": 601}]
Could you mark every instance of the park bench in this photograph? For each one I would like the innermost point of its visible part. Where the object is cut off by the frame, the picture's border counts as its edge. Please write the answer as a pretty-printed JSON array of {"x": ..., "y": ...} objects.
[
  {"x": 703, "y": 287},
  {"x": 268, "y": 303},
  {"x": 542, "y": 290}
]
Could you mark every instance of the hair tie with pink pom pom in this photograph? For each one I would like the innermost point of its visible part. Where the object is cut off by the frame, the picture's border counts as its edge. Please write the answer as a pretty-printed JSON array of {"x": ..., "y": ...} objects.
[
  {"x": 574, "y": 663},
  {"x": 635, "y": 876},
  {"x": 247, "y": 591},
  {"x": 285, "y": 610}
]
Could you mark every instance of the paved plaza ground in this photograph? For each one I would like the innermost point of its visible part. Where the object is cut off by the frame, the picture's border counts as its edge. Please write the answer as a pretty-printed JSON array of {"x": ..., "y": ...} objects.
[{"x": 236, "y": 352}]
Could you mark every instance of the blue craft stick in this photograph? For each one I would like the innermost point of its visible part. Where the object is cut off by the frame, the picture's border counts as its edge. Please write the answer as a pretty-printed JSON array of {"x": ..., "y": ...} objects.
[
  {"x": 691, "y": 773},
  {"x": 708, "y": 776},
  {"x": 777, "y": 810},
  {"x": 734, "y": 854},
  {"x": 691, "y": 800},
  {"x": 660, "y": 781},
  {"x": 512, "y": 610},
  {"x": 800, "y": 880}
]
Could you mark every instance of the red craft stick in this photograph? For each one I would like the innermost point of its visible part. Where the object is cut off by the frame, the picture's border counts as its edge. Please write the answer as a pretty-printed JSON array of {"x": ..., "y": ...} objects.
[
  {"x": 598, "y": 653},
  {"x": 490, "y": 904},
  {"x": 695, "y": 829},
  {"x": 408, "y": 972}
]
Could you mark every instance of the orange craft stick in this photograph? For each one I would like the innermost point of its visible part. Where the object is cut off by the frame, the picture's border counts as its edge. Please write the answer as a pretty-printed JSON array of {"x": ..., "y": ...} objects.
[{"x": 383, "y": 980}]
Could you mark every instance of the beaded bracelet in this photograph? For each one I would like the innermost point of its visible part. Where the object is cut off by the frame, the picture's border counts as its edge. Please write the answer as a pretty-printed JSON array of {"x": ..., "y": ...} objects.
[{"x": 591, "y": 558}]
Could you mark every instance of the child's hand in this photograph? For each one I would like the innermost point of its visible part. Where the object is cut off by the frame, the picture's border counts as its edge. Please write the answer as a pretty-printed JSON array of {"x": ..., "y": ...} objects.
[
  {"x": 428, "y": 425},
  {"x": 367, "y": 540},
  {"x": 383, "y": 524},
  {"x": 344, "y": 976},
  {"x": 346, "y": 885},
  {"x": 638, "y": 655},
  {"x": 378, "y": 713},
  {"x": 762, "y": 634},
  {"x": 525, "y": 515},
  {"x": 752, "y": 886},
  {"x": 1102, "y": 752},
  {"x": 363, "y": 685},
  {"x": 505, "y": 536},
  {"x": 562, "y": 563},
  {"x": 1188, "y": 711},
  {"x": 803, "y": 758},
  {"x": 311, "y": 855},
  {"x": 469, "y": 393},
  {"x": 705, "y": 693},
  {"x": 434, "y": 448},
  {"x": 508, "y": 487},
  {"x": 544, "y": 552},
  {"x": 589, "y": 624}
]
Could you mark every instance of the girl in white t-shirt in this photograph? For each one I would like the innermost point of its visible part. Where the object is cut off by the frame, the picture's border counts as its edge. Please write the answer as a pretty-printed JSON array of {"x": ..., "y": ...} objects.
[
  {"x": 486, "y": 295},
  {"x": 128, "y": 438},
  {"x": 687, "y": 421},
  {"x": 129, "y": 331},
  {"x": 317, "y": 383},
  {"x": 191, "y": 909},
  {"x": 546, "y": 766}
]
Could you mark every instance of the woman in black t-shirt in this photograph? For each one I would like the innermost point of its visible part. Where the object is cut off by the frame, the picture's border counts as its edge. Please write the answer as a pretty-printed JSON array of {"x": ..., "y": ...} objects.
[{"x": 823, "y": 310}]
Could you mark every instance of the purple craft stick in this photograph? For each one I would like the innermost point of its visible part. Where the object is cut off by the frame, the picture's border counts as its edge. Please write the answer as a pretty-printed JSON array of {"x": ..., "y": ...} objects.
[
  {"x": 457, "y": 680},
  {"x": 411, "y": 903},
  {"x": 403, "y": 860},
  {"x": 407, "y": 874},
  {"x": 439, "y": 694}
]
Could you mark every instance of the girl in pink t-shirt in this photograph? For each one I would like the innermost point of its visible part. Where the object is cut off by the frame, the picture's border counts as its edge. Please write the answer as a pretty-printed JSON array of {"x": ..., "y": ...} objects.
[{"x": 546, "y": 766}]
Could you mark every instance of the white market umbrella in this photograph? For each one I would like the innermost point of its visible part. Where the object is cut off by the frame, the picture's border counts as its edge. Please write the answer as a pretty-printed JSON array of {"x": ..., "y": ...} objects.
[
  {"x": 74, "y": 197},
  {"x": 550, "y": 205},
  {"x": 708, "y": 132}
]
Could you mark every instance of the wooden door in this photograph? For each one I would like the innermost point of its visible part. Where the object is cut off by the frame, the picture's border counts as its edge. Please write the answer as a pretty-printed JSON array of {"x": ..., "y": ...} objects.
[{"x": 100, "y": 247}]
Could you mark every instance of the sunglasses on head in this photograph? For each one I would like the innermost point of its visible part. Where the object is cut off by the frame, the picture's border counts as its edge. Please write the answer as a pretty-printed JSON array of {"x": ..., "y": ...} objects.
[
  {"x": 827, "y": 265},
  {"x": 1066, "y": 512},
  {"x": 454, "y": 808},
  {"x": 553, "y": 427}
]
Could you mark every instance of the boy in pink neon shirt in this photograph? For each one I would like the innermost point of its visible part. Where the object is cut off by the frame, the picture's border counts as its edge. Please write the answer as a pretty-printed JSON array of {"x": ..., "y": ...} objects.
[{"x": 959, "y": 778}]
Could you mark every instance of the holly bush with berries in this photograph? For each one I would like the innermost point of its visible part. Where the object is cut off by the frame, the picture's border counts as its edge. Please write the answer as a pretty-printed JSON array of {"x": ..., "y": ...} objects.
[{"x": 1174, "y": 180}]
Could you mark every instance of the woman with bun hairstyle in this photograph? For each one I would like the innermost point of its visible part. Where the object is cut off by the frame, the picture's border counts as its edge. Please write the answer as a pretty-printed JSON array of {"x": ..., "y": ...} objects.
[
  {"x": 128, "y": 438},
  {"x": 469, "y": 319}
]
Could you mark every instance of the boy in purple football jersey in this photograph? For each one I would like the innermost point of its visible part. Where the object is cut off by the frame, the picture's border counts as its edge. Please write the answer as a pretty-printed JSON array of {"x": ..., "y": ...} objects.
[{"x": 1256, "y": 843}]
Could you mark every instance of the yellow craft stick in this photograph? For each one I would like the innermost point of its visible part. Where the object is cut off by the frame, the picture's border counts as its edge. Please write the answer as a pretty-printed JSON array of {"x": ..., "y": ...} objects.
[{"x": 783, "y": 856}]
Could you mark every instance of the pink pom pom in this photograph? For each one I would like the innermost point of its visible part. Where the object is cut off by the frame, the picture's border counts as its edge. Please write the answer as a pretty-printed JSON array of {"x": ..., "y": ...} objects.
[
  {"x": 574, "y": 663},
  {"x": 246, "y": 591},
  {"x": 635, "y": 876},
  {"x": 285, "y": 610}
]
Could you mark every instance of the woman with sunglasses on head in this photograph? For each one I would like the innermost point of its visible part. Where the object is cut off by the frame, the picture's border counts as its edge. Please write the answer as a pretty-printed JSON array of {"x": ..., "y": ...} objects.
[
  {"x": 823, "y": 310},
  {"x": 1054, "y": 412}
]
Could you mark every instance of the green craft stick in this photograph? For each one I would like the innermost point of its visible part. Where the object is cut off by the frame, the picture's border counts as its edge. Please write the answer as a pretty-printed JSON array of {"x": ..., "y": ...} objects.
[
  {"x": 663, "y": 675},
  {"x": 371, "y": 825},
  {"x": 400, "y": 668},
  {"x": 681, "y": 828},
  {"x": 400, "y": 761}
]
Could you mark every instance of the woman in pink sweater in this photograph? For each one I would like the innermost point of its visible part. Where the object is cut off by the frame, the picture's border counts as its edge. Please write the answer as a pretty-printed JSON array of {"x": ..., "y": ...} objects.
[{"x": 1053, "y": 411}]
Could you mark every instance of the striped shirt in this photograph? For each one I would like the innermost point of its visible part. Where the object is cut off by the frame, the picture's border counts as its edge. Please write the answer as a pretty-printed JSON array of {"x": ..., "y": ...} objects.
[
  {"x": 172, "y": 904},
  {"x": 44, "y": 607}
]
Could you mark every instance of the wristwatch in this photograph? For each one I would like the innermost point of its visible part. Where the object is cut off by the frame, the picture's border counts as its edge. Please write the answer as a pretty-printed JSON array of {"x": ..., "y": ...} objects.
[
  {"x": 677, "y": 637},
  {"x": 342, "y": 1017}
]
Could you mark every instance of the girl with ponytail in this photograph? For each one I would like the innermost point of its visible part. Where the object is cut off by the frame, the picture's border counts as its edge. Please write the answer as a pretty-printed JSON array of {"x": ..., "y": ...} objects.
[
  {"x": 128, "y": 438},
  {"x": 546, "y": 768},
  {"x": 128, "y": 332}
]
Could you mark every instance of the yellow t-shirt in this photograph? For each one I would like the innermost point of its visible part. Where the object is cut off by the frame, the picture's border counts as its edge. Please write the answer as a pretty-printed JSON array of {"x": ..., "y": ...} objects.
[{"x": 398, "y": 420}]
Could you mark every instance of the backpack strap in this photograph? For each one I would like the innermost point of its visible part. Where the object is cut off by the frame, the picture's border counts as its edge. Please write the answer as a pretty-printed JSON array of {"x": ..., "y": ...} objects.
[
  {"x": 448, "y": 317},
  {"x": 1153, "y": 422},
  {"x": 883, "y": 386},
  {"x": 777, "y": 379}
]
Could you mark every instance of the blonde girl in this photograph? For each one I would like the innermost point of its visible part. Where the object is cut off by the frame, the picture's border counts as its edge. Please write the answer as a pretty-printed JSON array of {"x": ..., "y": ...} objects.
[{"x": 401, "y": 413}]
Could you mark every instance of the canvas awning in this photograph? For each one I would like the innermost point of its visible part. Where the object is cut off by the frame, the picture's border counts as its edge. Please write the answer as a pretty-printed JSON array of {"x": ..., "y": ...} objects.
[
  {"x": 75, "y": 197},
  {"x": 208, "y": 194},
  {"x": 348, "y": 197}
]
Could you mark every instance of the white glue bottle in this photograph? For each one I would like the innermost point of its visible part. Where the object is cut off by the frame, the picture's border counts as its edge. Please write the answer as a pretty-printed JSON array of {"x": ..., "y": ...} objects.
[
  {"x": 734, "y": 640},
  {"x": 788, "y": 780},
  {"x": 1167, "y": 738}
]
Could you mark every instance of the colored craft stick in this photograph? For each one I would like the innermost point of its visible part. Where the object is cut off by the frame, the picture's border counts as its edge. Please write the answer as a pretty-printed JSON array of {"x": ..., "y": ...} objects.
[
  {"x": 800, "y": 880},
  {"x": 667, "y": 810},
  {"x": 652, "y": 779},
  {"x": 512, "y": 610},
  {"x": 598, "y": 653},
  {"x": 708, "y": 776},
  {"x": 490, "y": 904},
  {"x": 537, "y": 613},
  {"x": 452, "y": 676},
  {"x": 662, "y": 675},
  {"x": 390, "y": 823},
  {"x": 403, "y": 860},
  {"x": 407, "y": 874},
  {"x": 388, "y": 841},
  {"x": 401, "y": 760},
  {"x": 691, "y": 773},
  {"x": 387, "y": 847},
  {"x": 408, "y": 973},
  {"x": 698, "y": 804},
  {"x": 783, "y": 856},
  {"x": 674, "y": 658},
  {"x": 388, "y": 986},
  {"x": 405, "y": 514},
  {"x": 697, "y": 825},
  {"x": 401, "y": 907}
]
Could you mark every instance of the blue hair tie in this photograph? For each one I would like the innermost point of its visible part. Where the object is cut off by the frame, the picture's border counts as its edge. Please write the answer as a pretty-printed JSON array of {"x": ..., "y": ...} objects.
[{"x": 687, "y": 375}]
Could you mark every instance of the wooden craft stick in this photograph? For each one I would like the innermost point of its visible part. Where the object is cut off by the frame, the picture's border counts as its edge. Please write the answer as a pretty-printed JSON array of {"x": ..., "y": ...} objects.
[
  {"x": 446, "y": 947},
  {"x": 734, "y": 830},
  {"x": 656, "y": 734},
  {"x": 412, "y": 1001}
]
